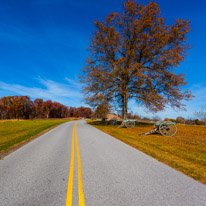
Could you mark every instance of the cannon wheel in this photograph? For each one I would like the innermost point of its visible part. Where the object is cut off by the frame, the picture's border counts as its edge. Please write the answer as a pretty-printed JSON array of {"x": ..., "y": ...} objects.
[
  {"x": 130, "y": 124},
  {"x": 167, "y": 129}
]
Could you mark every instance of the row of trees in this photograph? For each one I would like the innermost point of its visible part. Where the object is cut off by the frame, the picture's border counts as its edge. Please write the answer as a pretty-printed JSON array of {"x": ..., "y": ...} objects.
[{"x": 22, "y": 107}]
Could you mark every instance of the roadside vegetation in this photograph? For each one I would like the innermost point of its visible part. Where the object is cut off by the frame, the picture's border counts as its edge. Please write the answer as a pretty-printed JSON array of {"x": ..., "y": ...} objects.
[
  {"x": 186, "y": 151},
  {"x": 15, "y": 132},
  {"x": 22, "y": 107}
]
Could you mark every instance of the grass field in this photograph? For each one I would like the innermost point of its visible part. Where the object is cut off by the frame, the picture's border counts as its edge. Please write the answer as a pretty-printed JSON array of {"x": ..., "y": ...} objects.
[
  {"x": 186, "y": 151},
  {"x": 13, "y": 133}
]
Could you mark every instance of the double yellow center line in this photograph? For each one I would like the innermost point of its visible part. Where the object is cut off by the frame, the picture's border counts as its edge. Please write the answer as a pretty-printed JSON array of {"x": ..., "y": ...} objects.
[{"x": 71, "y": 173}]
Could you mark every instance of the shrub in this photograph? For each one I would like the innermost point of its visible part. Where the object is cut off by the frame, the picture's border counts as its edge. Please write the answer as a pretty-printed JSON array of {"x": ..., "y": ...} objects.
[
  {"x": 156, "y": 118},
  {"x": 180, "y": 120},
  {"x": 198, "y": 122},
  {"x": 169, "y": 119},
  {"x": 190, "y": 122},
  {"x": 146, "y": 119}
]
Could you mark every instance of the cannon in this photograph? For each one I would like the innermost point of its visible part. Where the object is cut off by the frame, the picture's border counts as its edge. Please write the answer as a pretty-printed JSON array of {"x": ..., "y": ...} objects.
[
  {"x": 129, "y": 123},
  {"x": 166, "y": 128}
]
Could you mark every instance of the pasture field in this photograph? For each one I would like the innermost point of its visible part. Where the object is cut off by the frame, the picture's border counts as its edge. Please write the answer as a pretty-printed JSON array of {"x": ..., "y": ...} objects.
[
  {"x": 15, "y": 132},
  {"x": 186, "y": 151}
]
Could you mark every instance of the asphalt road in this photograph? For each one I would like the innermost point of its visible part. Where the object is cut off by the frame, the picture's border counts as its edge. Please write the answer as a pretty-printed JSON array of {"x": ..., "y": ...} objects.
[{"x": 112, "y": 173}]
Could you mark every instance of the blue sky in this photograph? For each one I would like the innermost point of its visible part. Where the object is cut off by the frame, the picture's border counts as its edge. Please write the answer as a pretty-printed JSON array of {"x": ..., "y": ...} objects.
[{"x": 43, "y": 46}]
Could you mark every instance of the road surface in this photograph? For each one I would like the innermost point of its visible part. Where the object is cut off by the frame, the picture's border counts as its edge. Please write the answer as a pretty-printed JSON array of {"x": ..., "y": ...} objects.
[{"x": 105, "y": 172}]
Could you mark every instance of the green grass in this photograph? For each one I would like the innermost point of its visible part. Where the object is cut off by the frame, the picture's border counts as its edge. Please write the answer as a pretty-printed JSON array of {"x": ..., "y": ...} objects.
[
  {"x": 186, "y": 151},
  {"x": 13, "y": 133}
]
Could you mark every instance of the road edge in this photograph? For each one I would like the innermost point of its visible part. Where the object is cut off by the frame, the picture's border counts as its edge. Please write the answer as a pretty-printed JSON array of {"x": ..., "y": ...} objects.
[{"x": 21, "y": 144}]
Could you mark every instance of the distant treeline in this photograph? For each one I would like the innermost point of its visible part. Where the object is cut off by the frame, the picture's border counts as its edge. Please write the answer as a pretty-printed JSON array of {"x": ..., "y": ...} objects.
[{"x": 22, "y": 107}]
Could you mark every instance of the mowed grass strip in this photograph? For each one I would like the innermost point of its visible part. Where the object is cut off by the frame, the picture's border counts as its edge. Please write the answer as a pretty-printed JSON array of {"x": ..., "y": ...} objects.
[
  {"x": 186, "y": 151},
  {"x": 13, "y": 133}
]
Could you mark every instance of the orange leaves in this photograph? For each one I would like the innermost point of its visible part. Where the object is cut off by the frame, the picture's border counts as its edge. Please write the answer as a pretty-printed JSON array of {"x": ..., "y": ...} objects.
[
  {"x": 21, "y": 107},
  {"x": 135, "y": 53}
]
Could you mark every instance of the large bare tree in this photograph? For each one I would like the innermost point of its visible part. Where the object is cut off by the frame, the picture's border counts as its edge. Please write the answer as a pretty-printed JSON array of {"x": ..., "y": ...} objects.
[{"x": 133, "y": 55}]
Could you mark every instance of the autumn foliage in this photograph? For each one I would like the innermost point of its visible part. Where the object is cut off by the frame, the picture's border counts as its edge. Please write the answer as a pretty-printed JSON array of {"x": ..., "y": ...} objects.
[
  {"x": 22, "y": 107},
  {"x": 133, "y": 56}
]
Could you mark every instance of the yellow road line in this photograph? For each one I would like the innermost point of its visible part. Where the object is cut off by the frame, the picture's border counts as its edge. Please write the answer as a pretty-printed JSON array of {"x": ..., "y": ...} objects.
[
  {"x": 80, "y": 184},
  {"x": 71, "y": 172}
]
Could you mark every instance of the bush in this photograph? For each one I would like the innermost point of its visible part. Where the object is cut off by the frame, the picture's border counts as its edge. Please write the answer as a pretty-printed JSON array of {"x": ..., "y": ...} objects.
[
  {"x": 180, "y": 120},
  {"x": 198, "y": 122},
  {"x": 146, "y": 119},
  {"x": 133, "y": 116},
  {"x": 170, "y": 120},
  {"x": 190, "y": 122},
  {"x": 156, "y": 118}
]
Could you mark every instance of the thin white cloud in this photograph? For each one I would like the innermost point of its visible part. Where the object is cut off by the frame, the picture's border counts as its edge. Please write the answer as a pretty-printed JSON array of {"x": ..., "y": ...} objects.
[
  {"x": 199, "y": 91},
  {"x": 50, "y": 90},
  {"x": 69, "y": 93},
  {"x": 74, "y": 83},
  {"x": 200, "y": 95}
]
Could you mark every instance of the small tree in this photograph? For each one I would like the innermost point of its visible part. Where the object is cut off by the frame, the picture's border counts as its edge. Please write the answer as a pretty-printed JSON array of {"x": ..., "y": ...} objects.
[
  {"x": 47, "y": 106},
  {"x": 133, "y": 55},
  {"x": 38, "y": 105},
  {"x": 102, "y": 109},
  {"x": 180, "y": 120},
  {"x": 156, "y": 118},
  {"x": 202, "y": 114},
  {"x": 3, "y": 110}
]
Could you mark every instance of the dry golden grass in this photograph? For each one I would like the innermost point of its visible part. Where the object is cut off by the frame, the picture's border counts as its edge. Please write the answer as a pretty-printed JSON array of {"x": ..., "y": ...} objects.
[
  {"x": 186, "y": 151},
  {"x": 12, "y": 120}
]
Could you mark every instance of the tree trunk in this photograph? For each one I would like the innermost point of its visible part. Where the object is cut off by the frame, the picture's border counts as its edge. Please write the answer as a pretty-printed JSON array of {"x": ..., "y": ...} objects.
[
  {"x": 47, "y": 116},
  {"x": 124, "y": 106}
]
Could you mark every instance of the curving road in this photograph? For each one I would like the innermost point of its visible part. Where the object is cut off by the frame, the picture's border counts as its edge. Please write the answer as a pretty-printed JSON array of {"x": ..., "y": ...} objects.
[{"x": 111, "y": 172}]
